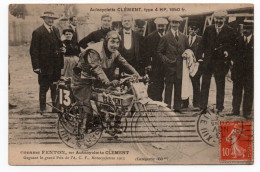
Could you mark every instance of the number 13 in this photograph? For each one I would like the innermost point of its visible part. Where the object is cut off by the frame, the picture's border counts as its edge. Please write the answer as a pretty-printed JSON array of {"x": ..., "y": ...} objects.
[{"x": 65, "y": 97}]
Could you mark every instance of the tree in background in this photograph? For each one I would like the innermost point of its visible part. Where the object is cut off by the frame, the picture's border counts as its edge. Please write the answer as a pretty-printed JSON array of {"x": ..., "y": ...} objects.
[{"x": 18, "y": 10}]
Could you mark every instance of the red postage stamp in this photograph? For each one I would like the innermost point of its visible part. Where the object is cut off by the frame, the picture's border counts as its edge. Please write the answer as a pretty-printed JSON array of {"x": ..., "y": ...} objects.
[{"x": 236, "y": 141}]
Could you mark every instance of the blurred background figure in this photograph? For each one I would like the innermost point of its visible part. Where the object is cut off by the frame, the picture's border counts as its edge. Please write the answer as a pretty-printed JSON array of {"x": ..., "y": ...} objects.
[
  {"x": 140, "y": 27},
  {"x": 73, "y": 25},
  {"x": 98, "y": 35},
  {"x": 47, "y": 57},
  {"x": 72, "y": 52},
  {"x": 154, "y": 63},
  {"x": 11, "y": 105},
  {"x": 242, "y": 72}
]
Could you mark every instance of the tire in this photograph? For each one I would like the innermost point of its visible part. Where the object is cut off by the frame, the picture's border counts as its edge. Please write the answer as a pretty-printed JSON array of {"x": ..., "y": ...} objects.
[
  {"x": 76, "y": 139},
  {"x": 156, "y": 130}
]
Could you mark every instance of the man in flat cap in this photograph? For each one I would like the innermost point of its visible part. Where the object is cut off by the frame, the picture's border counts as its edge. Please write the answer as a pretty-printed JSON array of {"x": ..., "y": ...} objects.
[
  {"x": 242, "y": 72},
  {"x": 194, "y": 40},
  {"x": 170, "y": 50},
  {"x": 47, "y": 57},
  {"x": 217, "y": 45},
  {"x": 154, "y": 62},
  {"x": 98, "y": 35}
]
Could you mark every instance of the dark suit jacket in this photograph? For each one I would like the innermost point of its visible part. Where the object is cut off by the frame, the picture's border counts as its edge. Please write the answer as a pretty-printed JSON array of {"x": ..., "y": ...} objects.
[
  {"x": 43, "y": 50},
  {"x": 195, "y": 46},
  {"x": 152, "y": 41},
  {"x": 213, "y": 47},
  {"x": 243, "y": 59},
  {"x": 170, "y": 51},
  {"x": 135, "y": 43}
]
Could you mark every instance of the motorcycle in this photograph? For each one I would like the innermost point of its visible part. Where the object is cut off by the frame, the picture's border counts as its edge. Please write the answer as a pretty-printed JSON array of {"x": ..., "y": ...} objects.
[{"x": 116, "y": 110}]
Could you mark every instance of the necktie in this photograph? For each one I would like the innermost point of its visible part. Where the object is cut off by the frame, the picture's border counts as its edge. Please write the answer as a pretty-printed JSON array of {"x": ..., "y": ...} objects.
[
  {"x": 245, "y": 39},
  {"x": 176, "y": 36},
  {"x": 191, "y": 39},
  {"x": 50, "y": 30}
]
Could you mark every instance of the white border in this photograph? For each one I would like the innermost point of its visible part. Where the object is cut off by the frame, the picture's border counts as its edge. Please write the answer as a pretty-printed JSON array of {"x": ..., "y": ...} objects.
[{"x": 154, "y": 168}]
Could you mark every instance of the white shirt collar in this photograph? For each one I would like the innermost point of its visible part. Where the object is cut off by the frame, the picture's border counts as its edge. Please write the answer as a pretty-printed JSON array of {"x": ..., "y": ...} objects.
[
  {"x": 47, "y": 27},
  {"x": 130, "y": 30},
  {"x": 173, "y": 32},
  {"x": 248, "y": 38},
  {"x": 219, "y": 27},
  {"x": 193, "y": 38}
]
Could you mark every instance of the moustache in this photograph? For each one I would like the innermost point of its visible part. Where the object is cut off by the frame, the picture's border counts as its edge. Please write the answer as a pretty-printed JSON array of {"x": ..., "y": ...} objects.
[{"x": 218, "y": 22}]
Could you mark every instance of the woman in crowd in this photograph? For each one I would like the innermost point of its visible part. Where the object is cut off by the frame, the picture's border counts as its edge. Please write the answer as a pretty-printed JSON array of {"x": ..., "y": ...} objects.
[{"x": 72, "y": 52}]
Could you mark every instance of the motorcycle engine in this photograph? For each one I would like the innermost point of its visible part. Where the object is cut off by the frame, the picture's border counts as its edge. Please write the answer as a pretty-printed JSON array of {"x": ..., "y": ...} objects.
[{"x": 112, "y": 118}]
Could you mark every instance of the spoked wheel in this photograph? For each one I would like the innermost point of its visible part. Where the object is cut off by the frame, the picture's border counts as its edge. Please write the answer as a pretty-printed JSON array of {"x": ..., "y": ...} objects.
[
  {"x": 71, "y": 134},
  {"x": 157, "y": 132}
]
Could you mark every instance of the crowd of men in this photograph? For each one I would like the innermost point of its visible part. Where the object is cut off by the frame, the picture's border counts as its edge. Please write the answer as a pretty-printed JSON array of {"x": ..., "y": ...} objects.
[{"x": 160, "y": 54}]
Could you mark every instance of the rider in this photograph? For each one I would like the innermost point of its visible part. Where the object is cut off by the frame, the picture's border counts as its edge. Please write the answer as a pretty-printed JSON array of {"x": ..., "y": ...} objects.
[{"x": 98, "y": 62}]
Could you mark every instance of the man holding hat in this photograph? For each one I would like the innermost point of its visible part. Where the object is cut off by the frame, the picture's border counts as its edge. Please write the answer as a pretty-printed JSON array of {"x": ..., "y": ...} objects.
[
  {"x": 194, "y": 41},
  {"x": 170, "y": 50},
  {"x": 217, "y": 45},
  {"x": 242, "y": 72},
  {"x": 154, "y": 63},
  {"x": 47, "y": 58}
]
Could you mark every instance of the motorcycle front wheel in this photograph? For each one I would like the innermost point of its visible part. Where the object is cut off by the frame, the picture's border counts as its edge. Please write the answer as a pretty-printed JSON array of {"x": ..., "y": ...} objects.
[{"x": 156, "y": 131}]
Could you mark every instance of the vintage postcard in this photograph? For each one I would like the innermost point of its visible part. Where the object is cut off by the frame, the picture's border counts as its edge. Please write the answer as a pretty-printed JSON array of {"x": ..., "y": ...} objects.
[{"x": 120, "y": 84}]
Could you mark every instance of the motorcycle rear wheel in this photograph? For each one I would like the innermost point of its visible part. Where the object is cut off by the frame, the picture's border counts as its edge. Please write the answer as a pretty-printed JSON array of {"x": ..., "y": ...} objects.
[{"x": 78, "y": 139}]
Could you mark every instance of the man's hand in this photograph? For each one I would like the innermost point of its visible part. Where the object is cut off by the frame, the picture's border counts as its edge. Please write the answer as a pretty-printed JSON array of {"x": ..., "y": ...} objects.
[
  {"x": 115, "y": 83},
  {"x": 148, "y": 68},
  {"x": 225, "y": 54},
  {"x": 63, "y": 49},
  {"x": 38, "y": 71},
  {"x": 200, "y": 60}
]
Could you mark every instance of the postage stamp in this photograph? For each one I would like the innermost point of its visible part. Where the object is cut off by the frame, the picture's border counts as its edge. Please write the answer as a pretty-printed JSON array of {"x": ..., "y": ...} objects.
[{"x": 236, "y": 141}]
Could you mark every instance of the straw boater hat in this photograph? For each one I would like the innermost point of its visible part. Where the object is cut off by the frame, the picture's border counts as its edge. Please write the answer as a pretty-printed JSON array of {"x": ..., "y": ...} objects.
[{"x": 49, "y": 14}]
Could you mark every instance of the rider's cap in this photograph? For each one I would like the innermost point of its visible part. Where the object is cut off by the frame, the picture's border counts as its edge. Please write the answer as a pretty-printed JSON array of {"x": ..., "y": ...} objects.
[{"x": 114, "y": 35}]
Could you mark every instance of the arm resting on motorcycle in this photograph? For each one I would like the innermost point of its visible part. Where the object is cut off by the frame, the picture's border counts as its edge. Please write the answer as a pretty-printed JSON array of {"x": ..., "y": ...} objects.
[{"x": 96, "y": 68}]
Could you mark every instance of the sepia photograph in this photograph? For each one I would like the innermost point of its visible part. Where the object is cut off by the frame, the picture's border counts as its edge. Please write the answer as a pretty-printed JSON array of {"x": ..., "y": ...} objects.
[{"x": 131, "y": 84}]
